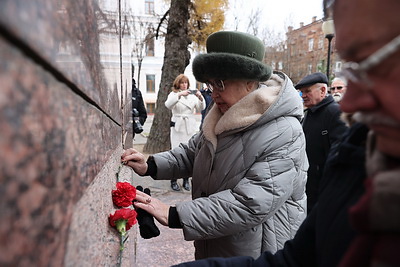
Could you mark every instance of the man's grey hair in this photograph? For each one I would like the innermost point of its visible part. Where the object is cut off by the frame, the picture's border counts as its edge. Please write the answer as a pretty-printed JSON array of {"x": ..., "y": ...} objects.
[{"x": 340, "y": 79}]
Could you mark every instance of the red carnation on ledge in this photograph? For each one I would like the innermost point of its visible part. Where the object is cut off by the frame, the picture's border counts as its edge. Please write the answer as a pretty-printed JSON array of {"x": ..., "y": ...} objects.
[
  {"x": 124, "y": 194},
  {"x": 122, "y": 220}
]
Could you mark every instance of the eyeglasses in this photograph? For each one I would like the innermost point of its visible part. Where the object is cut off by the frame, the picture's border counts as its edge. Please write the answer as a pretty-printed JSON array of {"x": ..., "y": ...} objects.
[
  {"x": 357, "y": 72},
  {"x": 337, "y": 87},
  {"x": 218, "y": 85}
]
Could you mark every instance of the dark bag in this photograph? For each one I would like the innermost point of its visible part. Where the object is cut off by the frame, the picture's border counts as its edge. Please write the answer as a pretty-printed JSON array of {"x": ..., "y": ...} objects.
[{"x": 172, "y": 124}]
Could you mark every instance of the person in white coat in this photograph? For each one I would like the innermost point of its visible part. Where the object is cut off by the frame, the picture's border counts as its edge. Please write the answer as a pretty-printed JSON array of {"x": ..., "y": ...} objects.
[{"x": 183, "y": 102}]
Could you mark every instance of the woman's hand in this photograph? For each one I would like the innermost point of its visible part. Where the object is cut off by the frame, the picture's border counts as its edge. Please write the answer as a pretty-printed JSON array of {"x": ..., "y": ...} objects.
[
  {"x": 153, "y": 206},
  {"x": 184, "y": 93},
  {"x": 136, "y": 160},
  {"x": 199, "y": 95}
]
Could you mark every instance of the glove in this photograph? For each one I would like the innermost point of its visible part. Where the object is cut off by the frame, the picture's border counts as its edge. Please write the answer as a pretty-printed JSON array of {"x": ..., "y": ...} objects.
[{"x": 147, "y": 227}]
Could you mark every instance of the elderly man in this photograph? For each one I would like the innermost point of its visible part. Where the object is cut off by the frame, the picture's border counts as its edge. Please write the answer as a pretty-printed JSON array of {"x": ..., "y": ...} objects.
[
  {"x": 368, "y": 233},
  {"x": 338, "y": 88},
  {"x": 322, "y": 126}
]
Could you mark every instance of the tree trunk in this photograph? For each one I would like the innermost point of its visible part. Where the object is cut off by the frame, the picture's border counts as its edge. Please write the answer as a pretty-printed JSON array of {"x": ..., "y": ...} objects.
[{"x": 176, "y": 58}]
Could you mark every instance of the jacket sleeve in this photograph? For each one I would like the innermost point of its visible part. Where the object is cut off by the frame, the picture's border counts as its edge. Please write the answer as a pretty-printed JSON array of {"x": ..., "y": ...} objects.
[
  {"x": 300, "y": 251},
  {"x": 171, "y": 101},
  {"x": 177, "y": 162},
  {"x": 337, "y": 126},
  {"x": 201, "y": 104},
  {"x": 266, "y": 184}
]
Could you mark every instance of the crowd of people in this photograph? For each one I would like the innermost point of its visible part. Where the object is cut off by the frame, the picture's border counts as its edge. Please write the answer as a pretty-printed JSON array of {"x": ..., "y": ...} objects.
[{"x": 262, "y": 151}]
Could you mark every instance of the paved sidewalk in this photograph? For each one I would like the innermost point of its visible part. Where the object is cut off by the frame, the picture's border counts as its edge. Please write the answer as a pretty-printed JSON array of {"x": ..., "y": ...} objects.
[{"x": 169, "y": 247}]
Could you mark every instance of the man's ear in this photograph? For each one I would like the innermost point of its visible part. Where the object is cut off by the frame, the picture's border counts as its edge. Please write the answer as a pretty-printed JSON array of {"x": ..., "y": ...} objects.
[{"x": 324, "y": 90}]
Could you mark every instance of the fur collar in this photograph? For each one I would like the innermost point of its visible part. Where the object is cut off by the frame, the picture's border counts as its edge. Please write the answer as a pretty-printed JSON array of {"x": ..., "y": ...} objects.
[{"x": 244, "y": 113}]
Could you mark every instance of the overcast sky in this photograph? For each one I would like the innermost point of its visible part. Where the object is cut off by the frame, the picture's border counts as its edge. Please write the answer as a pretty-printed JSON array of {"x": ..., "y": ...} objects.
[{"x": 277, "y": 14}]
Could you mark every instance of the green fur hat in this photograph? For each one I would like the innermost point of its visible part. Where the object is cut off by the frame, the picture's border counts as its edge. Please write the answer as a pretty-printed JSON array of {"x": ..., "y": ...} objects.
[{"x": 232, "y": 55}]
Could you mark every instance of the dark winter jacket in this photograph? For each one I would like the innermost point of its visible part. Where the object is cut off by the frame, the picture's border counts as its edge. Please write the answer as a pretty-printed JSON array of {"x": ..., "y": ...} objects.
[
  {"x": 326, "y": 233},
  {"x": 322, "y": 126},
  {"x": 207, "y": 96},
  {"x": 137, "y": 102}
]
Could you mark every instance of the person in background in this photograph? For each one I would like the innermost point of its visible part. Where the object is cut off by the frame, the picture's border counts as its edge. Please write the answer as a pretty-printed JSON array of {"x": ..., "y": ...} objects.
[
  {"x": 338, "y": 88},
  {"x": 322, "y": 126},
  {"x": 138, "y": 107},
  {"x": 183, "y": 102},
  {"x": 356, "y": 221},
  {"x": 206, "y": 93},
  {"x": 248, "y": 162}
]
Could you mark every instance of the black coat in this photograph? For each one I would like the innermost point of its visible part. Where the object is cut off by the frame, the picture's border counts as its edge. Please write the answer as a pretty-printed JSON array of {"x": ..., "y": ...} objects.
[
  {"x": 137, "y": 102},
  {"x": 322, "y": 127},
  {"x": 324, "y": 236}
]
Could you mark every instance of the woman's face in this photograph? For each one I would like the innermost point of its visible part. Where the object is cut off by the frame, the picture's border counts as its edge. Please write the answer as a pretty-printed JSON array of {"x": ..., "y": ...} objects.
[
  {"x": 233, "y": 91},
  {"x": 183, "y": 85}
]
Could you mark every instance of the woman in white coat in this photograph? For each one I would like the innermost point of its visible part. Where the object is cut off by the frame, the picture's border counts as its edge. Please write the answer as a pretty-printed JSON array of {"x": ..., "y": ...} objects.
[{"x": 183, "y": 102}]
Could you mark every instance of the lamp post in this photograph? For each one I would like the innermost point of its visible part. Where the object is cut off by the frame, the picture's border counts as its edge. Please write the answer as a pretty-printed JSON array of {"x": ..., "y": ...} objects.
[{"x": 329, "y": 31}]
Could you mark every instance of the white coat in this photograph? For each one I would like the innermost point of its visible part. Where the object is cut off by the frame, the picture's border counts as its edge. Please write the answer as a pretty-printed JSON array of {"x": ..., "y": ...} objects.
[{"x": 183, "y": 109}]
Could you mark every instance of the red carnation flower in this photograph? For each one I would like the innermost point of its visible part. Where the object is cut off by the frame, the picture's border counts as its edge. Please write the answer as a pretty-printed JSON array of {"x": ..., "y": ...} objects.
[
  {"x": 124, "y": 194},
  {"x": 123, "y": 219}
]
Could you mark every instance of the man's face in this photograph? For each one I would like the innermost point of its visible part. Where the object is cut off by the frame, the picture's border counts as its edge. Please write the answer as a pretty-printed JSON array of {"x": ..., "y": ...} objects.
[
  {"x": 312, "y": 94},
  {"x": 362, "y": 27},
  {"x": 338, "y": 86}
]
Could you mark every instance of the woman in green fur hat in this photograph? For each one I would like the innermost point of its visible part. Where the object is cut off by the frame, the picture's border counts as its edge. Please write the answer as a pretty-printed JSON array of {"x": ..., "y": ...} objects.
[{"x": 248, "y": 163}]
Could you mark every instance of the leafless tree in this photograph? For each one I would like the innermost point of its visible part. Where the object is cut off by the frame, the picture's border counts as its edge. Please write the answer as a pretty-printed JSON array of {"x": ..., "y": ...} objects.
[
  {"x": 176, "y": 58},
  {"x": 143, "y": 33}
]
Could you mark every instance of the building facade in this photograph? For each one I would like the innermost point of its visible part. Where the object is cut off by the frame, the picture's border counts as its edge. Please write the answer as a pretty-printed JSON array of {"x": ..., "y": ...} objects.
[
  {"x": 147, "y": 54},
  {"x": 304, "y": 51}
]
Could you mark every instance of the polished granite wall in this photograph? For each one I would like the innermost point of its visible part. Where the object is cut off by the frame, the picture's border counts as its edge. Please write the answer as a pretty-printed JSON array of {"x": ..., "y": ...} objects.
[{"x": 65, "y": 78}]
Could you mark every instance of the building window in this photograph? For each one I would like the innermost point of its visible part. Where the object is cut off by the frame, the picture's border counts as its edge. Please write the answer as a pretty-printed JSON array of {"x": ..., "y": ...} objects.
[
  {"x": 309, "y": 67},
  {"x": 149, "y": 7},
  {"x": 321, "y": 43},
  {"x": 311, "y": 44},
  {"x": 280, "y": 65},
  {"x": 150, "y": 107},
  {"x": 199, "y": 85},
  {"x": 151, "y": 83},
  {"x": 338, "y": 66},
  {"x": 320, "y": 67},
  {"x": 149, "y": 45}
]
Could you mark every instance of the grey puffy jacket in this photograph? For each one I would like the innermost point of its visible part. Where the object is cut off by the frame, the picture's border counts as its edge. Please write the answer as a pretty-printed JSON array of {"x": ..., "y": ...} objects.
[{"x": 249, "y": 170}]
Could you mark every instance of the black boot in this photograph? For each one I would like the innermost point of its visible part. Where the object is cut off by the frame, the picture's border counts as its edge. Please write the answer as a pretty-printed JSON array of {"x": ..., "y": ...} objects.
[
  {"x": 175, "y": 186},
  {"x": 186, "y": 184}
]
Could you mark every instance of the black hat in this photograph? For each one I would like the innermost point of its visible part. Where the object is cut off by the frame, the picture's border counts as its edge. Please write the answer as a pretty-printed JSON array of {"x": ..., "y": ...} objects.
[
  {"x": 317, "y": 77},
  {"x": 232, "y": 55}
]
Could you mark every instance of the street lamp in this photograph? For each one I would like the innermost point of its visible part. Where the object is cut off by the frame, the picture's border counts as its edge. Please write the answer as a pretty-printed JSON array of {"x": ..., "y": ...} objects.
[{"x": 329, "y": 31}]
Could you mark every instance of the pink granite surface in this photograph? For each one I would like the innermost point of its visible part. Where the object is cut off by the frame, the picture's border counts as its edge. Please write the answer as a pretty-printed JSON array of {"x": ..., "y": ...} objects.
[{"x": 63, "y": 113}]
